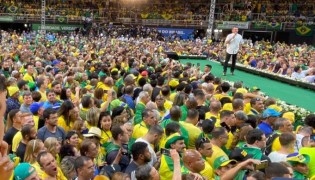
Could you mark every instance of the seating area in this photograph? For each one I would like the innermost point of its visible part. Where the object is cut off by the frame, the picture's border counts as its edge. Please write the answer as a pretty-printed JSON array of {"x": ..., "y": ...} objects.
[{"x": 226, "y": 10}]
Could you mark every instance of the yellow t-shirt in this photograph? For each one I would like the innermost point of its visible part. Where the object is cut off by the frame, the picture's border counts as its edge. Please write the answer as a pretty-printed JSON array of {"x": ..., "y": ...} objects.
[
  {"x": 62, "y": 123},
  {"x": 16, "y": 141},
  {"x": 36, "y": 119},
  {"x": 60, "y": 175},
  {"x": 207, "y": 172},
  {"x": 139, "y": 130},
  {"x": 168, "y": 104},
  {"x": 44, "y": 97},
  {"x": 193, "y": 133},
  {"x": 28, "y": 78},
  {"x": 217, "y": 152},
  {"x": 106, "y": 136}
]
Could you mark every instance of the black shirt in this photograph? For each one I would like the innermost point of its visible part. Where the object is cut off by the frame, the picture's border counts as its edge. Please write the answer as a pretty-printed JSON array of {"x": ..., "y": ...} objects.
[
  {"x": 123, "y": 163},
  {"x": 8, "y": 137},
  {"x": 20, "y": 151},
  {"x": 131, "y": 167}
]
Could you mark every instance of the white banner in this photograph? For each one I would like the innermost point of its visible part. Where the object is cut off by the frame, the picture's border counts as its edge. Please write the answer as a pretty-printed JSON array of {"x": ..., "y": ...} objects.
[{"x": 231, "y": 24}]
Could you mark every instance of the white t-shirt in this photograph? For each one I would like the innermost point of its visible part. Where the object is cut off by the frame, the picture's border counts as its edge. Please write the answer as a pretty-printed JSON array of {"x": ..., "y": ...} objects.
[
  {"x": 233, "y": 46},
  {"x": 277, "y": 157},
  {"x": 151, "y": 150}
]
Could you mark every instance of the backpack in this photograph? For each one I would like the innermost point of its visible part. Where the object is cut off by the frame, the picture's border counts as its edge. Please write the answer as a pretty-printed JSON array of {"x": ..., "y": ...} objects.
[{"x": 269, "y": 142}]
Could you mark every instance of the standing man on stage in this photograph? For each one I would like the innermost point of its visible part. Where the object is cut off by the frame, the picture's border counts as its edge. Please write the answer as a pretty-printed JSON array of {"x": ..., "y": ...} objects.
[{"x": 232, "y": 42}]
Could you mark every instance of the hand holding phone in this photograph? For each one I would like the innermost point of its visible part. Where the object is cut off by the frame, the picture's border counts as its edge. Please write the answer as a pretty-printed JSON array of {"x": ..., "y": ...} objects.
[
  {"x": 262, "y": 165},
  {"x": 166, "y": 152}
]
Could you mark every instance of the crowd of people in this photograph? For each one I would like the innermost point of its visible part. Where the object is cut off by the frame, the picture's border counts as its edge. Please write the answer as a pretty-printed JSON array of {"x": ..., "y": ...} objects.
[
  {"x": 107, "y": 107},
  {"x": 230, "y": 10}
]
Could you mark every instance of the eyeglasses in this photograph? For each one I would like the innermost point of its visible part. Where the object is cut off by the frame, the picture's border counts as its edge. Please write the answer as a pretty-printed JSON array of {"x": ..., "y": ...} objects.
[
  {"x": 257, "y": 99},
  {"x": 202, "y": 141}
]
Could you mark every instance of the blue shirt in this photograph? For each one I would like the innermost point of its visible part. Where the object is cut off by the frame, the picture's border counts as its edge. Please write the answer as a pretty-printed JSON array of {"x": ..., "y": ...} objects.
[
  {"x": 56, "y": 105},
  {"x": 129, "y": 101},
  {"x": 266, "y": 128}
]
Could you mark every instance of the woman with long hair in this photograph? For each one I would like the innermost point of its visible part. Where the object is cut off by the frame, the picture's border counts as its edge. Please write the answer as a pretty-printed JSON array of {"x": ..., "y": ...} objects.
[
  {"x": 105, "y": 123},
  {"x": 64, "y": 119},
  {"x": 33, "y": 148},
  {"x": 92, "y": 117},
  {"x": 72, "y": 138},
  {"x": 53, "y": 146}
]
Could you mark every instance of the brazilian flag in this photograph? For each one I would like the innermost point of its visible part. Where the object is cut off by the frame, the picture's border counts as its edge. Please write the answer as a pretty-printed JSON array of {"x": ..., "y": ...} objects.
[
  {"x": 62, "y": 19},
  {"x": 274, "y": 26},
  {"x": 12, "y": 9},
  {"x": 304, "y": 30}
]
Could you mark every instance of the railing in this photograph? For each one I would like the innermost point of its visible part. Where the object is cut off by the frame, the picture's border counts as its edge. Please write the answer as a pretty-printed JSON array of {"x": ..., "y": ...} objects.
[{"x": 132, "y": 19}]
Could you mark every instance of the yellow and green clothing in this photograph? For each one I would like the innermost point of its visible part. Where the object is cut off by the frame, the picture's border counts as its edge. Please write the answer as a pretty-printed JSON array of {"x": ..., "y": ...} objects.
[
  {"x": 167, "y": 168},
  {"x": 193, "y": 132},
  {"x": 184, "y": 110},
  {"x": 43, "y": 96},
  {"x": 62, "y": 123},
  {"x": 298, "y": 175},
  {"x": 168, "y": 104},
  {"x": 140, "y": 107},
  {"x": 36, "y": 119},
  {"x": 311, "y": 153},
  {"x": 217, "y": 152},
  {"x": 106, "y": 136},
  {"x": 255, "y": 151},
  {"x": 83, "y": 112},
  {"x": 140, "y": 130},
  {"x": 16, "y": 141},
  {"x": 183, "y": 130},
  {"x": 207, "y": 172}
]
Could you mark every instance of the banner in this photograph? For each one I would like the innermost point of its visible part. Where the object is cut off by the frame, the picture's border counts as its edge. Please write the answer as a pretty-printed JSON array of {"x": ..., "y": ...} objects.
[
  {"x": 304, "y": 30},
  {"x": 231, "y": 24},
  {"x": 6, "y": 19},
  {"x": 259, "y": 25},
  {"x": 57, "y": 27},
  {"x": 183, "y": 33}
]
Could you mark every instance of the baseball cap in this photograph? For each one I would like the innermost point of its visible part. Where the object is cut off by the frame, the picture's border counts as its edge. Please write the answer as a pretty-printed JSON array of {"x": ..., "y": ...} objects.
[
  {"x": 290, "y": 116},
  {"x": 253, "y": 89},
  {"x": 298, "y": 158},
  {"x": 144, "y": 73},
  {"x": 270, "y": 113},
  {"x": 94, "y": 132},
  {"x": 240, "y": 155},
  {"x": 34, "y": 107},
  {"x": 23, "y": 171},
  {"x": 55, "y": 62},
  {"x": 172, "y": 139},
  {"x": 222, "y": 161},
  {"x": 173, "y": 83}
]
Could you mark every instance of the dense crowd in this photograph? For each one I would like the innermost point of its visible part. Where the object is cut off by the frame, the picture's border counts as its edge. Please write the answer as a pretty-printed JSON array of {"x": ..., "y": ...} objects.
[
  {"x": 230, "y": 10},
  {"x": 112, "y": 107}
]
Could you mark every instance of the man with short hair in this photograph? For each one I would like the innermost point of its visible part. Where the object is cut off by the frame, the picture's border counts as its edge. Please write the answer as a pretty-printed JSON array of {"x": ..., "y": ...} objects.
[
  {"x": 269, "y": 116},
  {"x": 153, "y": 137},
  {"x": 51, "y": 129},
  {"x": 281, "y": 125},
  {"x": 174, "y": 141},
  {"x": 141, "y": 156},
  {"x": 204, "y": 147},
  {"x": 227, "y": 120},
  {"x": 27, "y": 101},
  {"x": 148, "y": 120},
  {"x": 219, "y": 139},
  {"x": 232, "y": 42},
  {"x": 49, "y": 166},
  {"x": 256, "y": 141},
  {"x": 257, "y": 106},
  {"x": 190, "y": 125},
  {"x": 26, "y": 118},
  {"x": 56, "y": 88},
  {"x": 276, "y": 170},
  {"x": 84, "y": 166},
  {"x": 28, "y": 133},
  {"x": 146, "y": 172},
  {"x": 120, "y": 139},
  {"x": 144, "y": 98},
  {"x": 51, "y": 102}
]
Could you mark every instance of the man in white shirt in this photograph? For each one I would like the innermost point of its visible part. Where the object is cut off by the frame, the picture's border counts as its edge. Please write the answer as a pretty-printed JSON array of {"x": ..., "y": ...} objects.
[
  {"x": 232, "y": 42},
  {"x": 153, "y": 137}
]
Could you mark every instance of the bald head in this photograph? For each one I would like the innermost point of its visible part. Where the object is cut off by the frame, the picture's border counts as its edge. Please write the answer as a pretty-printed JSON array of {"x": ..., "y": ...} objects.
[{"x": 193, "y": 160}]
